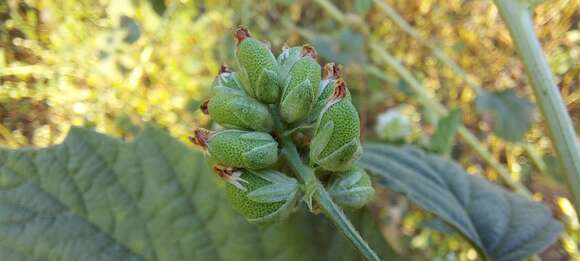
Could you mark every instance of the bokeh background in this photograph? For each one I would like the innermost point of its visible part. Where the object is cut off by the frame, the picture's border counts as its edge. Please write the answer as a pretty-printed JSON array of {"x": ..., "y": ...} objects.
[{"x": 115, "y": 65}]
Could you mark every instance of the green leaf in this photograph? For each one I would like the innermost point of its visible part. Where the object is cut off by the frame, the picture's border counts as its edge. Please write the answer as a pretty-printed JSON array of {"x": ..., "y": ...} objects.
[
  {"x": 404, "y": 88},
  {"x": 531, "y": 4},
  {"x": 363, "y": 6},
  {"x": 438, "y": 225},
  {"x": 131, "y": 28},
  {"x": 99, "y": 198},
  {"x": 158, "y": 6},
  {"x": 442, "y": 140},
  {"x": 345, "y": 48},
  {"x": 429, "y": 116},
  {"x": 513, "y": 115},
  {"x": 501, "y": 225}
]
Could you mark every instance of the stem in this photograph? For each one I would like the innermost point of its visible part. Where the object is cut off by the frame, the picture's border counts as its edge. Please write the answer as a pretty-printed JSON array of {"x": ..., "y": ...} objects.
[
  {"x": 518, "y": 19},
  {"x": 332, "y": 211},
  {"x": 536, "y": 158},
  {"x": 312, "y": 186}
]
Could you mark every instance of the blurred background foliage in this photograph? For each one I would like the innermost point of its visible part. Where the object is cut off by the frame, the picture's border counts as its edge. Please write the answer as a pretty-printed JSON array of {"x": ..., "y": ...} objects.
[{"x": 113, "y": 65}]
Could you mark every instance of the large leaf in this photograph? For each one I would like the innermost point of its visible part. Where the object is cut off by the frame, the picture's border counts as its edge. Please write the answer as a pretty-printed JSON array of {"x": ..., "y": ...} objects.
[
  {"x": 502, "y": 225},
  {"x": 99, "y": 198},
  {"x": 512, "y": 115}
]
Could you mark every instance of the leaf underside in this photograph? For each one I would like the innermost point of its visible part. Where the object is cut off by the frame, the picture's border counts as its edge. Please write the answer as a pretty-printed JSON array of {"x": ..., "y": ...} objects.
[
  {"x": 99, "y": 198},
  {"x": 502, "y": 225}
]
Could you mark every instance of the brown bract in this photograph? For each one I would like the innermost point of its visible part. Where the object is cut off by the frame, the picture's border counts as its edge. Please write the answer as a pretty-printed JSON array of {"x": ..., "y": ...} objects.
[
  {"x": 204, "y": 108},
  {"x": 200, "y": 137},
  {"x": 241, "y": 34},
  {"x": 308, "y": 50},
  {"x": 224, "y": 69},
  {"x": 223, "y": 171},
  {"x": 339, "y": 91},
  {"x": 332, "y": 71}
]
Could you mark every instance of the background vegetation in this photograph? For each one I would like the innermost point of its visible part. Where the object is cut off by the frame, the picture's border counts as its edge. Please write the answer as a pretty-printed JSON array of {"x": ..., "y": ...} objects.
[{"x": 114, "y": 65}]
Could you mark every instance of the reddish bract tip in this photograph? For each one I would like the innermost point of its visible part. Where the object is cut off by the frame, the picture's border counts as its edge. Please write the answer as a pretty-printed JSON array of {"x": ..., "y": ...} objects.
[
  {"x": 224, "y": 69},
  {"x": 241, "y": 34},
  {"x": 200, "y": 137},
  {"x": 223, "y": 171},
  {"x": 332, "y": 71},
  {"x": 308, "y": 50},
  {"x": 204, "y": 108},
  {"x": 339, "y": 90}
]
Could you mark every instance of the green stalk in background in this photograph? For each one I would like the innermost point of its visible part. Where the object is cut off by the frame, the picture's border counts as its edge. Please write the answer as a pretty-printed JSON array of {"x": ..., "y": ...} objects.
[
  {"x": 396, "y": 18},
  {"x": 517, "y": 17},
  {"x": 388, "y": 10},
  {"x": 428, "y": 100},
  {"x": 425, "y": 98}
]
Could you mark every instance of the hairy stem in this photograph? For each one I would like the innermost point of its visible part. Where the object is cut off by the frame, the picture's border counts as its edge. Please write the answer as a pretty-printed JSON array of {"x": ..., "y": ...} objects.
[
  {"x": 312, "y": 187},
  {"x": 332, "y": 211},
  {"x": 517, "y": 16}
]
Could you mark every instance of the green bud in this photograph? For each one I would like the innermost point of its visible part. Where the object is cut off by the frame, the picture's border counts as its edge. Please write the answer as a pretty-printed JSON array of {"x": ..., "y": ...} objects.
[
  {"x": 332, "y": 72},
  {"x": 258, "y": 67},
  {"x": 237, "y": 148},
  {"x": 352, "y": 189},
  {"x": 393, "y": 126},
  {"x": 286, "y": 60},
  {"x": 227, "y": 79},
  {"x": 336, "y": 142},
  {"x": 233, "y": 109},
  {"x": 260, "y": 196},
  {"x": 301, "y": 87}
]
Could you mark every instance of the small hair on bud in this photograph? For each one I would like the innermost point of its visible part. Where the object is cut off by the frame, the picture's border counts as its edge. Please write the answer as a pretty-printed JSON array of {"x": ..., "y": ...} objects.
[
  {"x": 200, "y": 137},
  {"x": 332, "y": 71},
  {"x": 204, "y": 108},
  {"x": 224, "y": 69},
  {"x": 308, "y": 50},
  {"x": 241, "y": 33}
]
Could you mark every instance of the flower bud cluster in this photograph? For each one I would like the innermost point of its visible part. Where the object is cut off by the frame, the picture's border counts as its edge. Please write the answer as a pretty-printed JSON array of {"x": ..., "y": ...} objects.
[{"x": 273, "y": 96}]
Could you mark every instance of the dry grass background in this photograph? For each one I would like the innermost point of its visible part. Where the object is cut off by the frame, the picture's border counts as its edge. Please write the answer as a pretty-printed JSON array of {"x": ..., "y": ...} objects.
[{"x": 113, "y": 65}]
